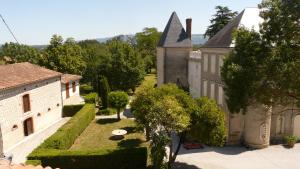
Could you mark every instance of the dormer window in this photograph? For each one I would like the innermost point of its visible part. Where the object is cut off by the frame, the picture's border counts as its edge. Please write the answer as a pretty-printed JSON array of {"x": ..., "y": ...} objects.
[{"x": 26, "y": 103}]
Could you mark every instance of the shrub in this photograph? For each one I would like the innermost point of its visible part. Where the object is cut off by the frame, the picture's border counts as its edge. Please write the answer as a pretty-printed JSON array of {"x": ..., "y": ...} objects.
[
  {"x": 91, "y": 98},
  {"x": 118, "y": 100},
  {"x": 208, "y": 123},
  {"x": 99, "y": 159},
  {"x": 104, "y": 89},
  {"x": 291, "y": 140},
  {"x": 33, "y": 162},
  {"x": 86, "y": 89},
  {"x": 66, "y": 135},
  {"x": 108, "y": 111},
  {"x": 71, "y": 110}
]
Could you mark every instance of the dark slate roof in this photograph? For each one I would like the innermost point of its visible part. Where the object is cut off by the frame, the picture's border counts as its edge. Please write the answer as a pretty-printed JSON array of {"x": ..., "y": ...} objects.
[
  {"x": 174, "y": 34},
  {"x": 224, "y": 37}
]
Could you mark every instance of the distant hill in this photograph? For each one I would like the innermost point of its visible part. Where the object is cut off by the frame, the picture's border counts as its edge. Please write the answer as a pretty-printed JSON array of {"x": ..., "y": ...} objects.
[{"x": 197, "y": 39}]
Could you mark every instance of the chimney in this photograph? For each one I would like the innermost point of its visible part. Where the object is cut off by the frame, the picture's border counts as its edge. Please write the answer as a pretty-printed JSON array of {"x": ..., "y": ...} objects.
[{"x": 189, "y": 27}]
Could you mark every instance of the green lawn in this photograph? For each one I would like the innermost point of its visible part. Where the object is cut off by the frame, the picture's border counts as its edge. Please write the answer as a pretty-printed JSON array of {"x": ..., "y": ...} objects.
[
  {"x": 150, "y": 79},
  {"x": 98, "y": 135}
]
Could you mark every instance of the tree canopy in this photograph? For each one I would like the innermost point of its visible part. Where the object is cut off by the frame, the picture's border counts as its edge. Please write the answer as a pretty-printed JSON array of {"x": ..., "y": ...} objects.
[
  {"x": 220, "y": 19},
  {"x": 118, "y": 100},
  {"x": 264, "y": 67}
]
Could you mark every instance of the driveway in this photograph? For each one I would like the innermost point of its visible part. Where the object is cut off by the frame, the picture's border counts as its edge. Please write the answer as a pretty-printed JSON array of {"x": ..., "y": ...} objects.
[
  {"x": 273, "y": 157},
  {"x": 26, "y": 146}
]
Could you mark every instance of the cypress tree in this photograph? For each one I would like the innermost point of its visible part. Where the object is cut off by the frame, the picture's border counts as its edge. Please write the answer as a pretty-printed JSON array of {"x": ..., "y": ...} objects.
[{"x": 104, "y": 89}]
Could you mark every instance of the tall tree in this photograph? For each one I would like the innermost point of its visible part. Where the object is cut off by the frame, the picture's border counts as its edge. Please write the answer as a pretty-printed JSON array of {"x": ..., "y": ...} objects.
[
  {"x": 65, "y": 57},
  {"x": 124, "y": 67},
  {"x": 15, "y": 53},
  {"x": 147, "y": 41},
  {"x": 103, "y": 91},
  {"x": 264, "y": 68},
  {"x": 220, "y": 19}
]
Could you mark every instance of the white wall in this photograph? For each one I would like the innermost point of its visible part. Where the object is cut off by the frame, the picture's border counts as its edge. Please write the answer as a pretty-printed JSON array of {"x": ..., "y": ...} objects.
[
  {"x": 44, "y": 95},
  {"x": 71, "y": 93}
]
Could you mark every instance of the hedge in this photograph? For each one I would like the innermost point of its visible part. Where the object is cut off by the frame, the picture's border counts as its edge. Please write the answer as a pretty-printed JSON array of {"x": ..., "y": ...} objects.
[
  {"x": 133, "y": 158},
  {"x": 67, "y": 134},
  {"x": 86, "y": 89},
  {"x": 91, "y": 98},
  {"x": 108, "y": 111},
  {"x": 71, "y": 110}
]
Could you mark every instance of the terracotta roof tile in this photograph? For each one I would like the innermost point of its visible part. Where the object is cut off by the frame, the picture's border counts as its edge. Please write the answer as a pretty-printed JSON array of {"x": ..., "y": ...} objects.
[
  {"x": 18, "y": 74},
  {"x": 65, "y": 78}
]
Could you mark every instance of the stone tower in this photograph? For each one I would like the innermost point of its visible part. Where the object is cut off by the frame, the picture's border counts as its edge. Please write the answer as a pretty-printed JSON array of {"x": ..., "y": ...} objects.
[{"x": 173, "y": 52}]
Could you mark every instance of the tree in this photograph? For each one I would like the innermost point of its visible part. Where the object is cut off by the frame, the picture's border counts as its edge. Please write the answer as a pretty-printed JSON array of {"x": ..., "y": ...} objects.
[
  {"x": 219, "y": 20},
  {"x": 65, "y": 57},
  {"x": 124, "y": 67},
  {"x": 118, "y": 100},
  {"x": 264, "y": 68},
  {"x": 104, "y": 89},
  {"x": 20, "y": 53},
  {"x": 147, "y": 41},
  {"x": 208, "y": 123}
]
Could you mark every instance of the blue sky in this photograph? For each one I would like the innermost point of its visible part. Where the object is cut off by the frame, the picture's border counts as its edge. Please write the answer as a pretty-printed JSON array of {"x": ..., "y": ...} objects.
[{"x": 35, "y": 21}]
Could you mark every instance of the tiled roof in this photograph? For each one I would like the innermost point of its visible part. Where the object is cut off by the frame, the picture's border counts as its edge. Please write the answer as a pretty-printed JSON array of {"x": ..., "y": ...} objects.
[
  {"x": 248, "y": 18},
  {"x": 18, "y": 74},
  {"x": 65, "y": 78},
  {"x": 174, "y": 34}
]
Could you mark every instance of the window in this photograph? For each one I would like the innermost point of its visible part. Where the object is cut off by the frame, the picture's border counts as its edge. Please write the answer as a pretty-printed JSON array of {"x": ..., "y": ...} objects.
[
  {"x": 280, "y": 125},
  {"x": 205, "y": 61},
  {"x": 204, "y": 88},
  {"x": 212, "y": 91},
  {"x": 74, "y": 87},
  {"x": 26, "y": 103},
  {"x": 221, "y": 57},
  {"x": 213, "y": 64},
  {"x": 220, "y": 95}
]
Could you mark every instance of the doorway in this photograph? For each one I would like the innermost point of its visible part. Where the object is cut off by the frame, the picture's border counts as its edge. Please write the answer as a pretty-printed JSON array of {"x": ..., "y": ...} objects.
[{"x": 28, "y": 126}]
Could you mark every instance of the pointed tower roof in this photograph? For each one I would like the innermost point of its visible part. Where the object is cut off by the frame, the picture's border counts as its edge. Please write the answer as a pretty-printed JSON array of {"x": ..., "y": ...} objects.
[
  {"x": 248, "y": 18},
  {"x": 174, "y": 34}
]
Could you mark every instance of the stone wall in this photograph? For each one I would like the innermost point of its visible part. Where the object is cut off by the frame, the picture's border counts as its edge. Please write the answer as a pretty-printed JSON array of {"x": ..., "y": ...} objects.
[{"x": 45, "y": 103}]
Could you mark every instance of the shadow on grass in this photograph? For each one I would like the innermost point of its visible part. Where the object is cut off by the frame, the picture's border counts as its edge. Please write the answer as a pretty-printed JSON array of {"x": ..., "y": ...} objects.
[
  {"x": 107, "y": 121},
  {"x": 129, "y": 143},
  {"x": 180, "y": 165},
  {"x": 116, "y": 138}
]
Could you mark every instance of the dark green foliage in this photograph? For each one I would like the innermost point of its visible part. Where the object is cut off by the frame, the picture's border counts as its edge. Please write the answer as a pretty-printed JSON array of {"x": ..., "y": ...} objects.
[
  {"x": 108, "y": 111},
  {"x": 220, "y": 19},
  {"x": 208, "y": 123},
  {"x": 20, "y": 53},
  {"x": 118, "y": 100},
  {"x": 243, "y": 71},
  {"x": 133, "y": 158},
  {"x": 104, "y": 89},
  {"x": 86, "y": 89},
  {"x": 63, "y": 56},
  {"x": 158, "y": 151},
  {"x": 146, "y": 44},
  {"x": 66, "y": 135},
  {"x": 124, "y": 68},
  {"x": 71, "y": 110},
  {"x": 91, "y": 97}
]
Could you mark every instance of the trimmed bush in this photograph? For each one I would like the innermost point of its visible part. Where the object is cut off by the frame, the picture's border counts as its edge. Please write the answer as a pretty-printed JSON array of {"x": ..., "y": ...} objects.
[
  {"x": 67, "y": 134},
  {"x": 71, "y": 110},
  {"x": 133, "y": 158},
  {"x": 33, "y": 162},
  {"x": 104, "y": 89},
  {"x": 91, "y": 98},
  {"x": 86, "y": 89},
  {"x": 108, "y": 111}
]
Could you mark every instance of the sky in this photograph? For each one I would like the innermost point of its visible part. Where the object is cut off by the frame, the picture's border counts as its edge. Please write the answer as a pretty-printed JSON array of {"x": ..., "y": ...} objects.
[{"x": 35, "y": 21}]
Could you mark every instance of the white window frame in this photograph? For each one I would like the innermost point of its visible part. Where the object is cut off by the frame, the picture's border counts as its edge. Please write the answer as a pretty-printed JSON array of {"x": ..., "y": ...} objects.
[
  {"x": 212, "y": 90},
  {"x": 205, "y": 89},
  {"x": 213, "y": 64},
  {"x": 221, "y": 62},
  {"x": 220, "y": 95},
  {"x": 205, "y": 62}
]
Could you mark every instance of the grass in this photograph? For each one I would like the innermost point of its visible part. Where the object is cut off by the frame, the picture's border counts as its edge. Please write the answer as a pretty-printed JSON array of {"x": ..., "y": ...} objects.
[
  {"x": 98, "y": 135},
  {"x": 150, "y": 79}
]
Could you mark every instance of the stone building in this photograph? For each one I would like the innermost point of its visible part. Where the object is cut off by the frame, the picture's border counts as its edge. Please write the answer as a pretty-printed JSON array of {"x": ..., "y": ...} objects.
[
  {"x": 173, "y": 52},
  {"x": 31, "y": 99},
  {"x": 70, "y": 89},
  {"x": 260, "y": 124}
]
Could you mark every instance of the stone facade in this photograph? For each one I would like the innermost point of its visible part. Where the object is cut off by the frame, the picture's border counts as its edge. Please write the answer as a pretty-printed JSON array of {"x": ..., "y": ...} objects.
[
  {"x": 74, "y": 93},
  {"x": 45, "y": 108}
]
